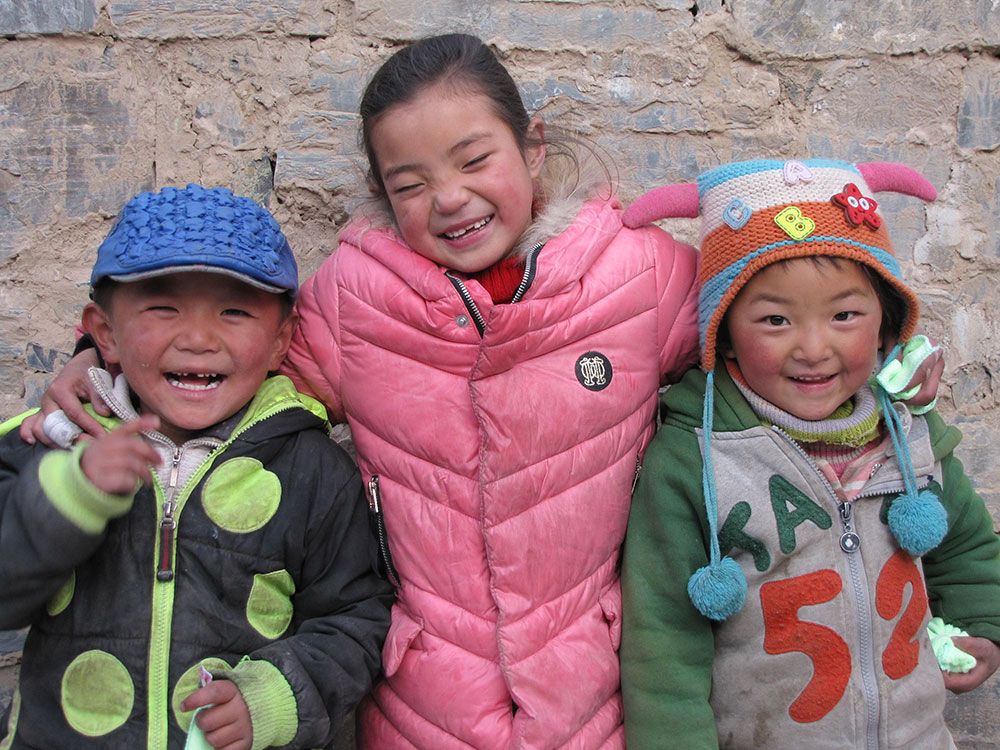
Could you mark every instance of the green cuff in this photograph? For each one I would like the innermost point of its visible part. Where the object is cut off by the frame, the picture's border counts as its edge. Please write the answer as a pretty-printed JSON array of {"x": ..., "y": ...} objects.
[
  {"x": 75, "y": 496},
  {"x": 950, "y": 657},
  {"x": 274, "y": 713}
]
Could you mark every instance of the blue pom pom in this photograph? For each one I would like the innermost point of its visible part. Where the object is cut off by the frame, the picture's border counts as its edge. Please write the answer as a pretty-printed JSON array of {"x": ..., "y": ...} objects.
[
  {"x": 718, "y": 590},
  {"x": 919, "y": 522}
]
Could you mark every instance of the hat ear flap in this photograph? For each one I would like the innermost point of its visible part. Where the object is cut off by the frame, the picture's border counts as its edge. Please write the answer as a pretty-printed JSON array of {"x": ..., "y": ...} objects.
[
  {"x": 886, "y": 176},
  {"x": 666, "y": 202}
]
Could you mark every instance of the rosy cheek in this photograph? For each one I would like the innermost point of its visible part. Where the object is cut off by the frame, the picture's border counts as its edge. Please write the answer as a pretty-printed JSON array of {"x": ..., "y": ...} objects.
[{"x": 759, "y": 359}]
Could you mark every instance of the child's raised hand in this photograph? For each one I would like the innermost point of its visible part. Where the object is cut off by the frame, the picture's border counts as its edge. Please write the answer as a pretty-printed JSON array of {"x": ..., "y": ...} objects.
[
  {"x": 226, "y": 724},
  {"x": 987, "y": 655},
  {"x": 70, "y": 389},
  {"x": 118, "y": 460},
  {"x": 928, "y": 377},
  {"x": 925, "y": 361}
]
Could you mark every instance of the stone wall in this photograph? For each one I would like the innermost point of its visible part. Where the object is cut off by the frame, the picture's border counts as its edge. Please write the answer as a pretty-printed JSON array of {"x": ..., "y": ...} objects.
[{"x": 100, "y": 99}]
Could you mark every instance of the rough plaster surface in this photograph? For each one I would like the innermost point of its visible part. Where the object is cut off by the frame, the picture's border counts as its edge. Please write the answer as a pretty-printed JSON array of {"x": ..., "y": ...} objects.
[{"x": 100, "y": 99}]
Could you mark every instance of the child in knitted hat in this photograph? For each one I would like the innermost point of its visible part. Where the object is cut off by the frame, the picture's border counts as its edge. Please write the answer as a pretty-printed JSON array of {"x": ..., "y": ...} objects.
[
  {"x": 214, "y": 531},
  {"x": 793, "y": 528}
]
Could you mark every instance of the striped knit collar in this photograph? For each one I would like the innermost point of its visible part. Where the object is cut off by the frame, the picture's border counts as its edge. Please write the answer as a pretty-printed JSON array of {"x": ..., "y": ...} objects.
[{"x": 853, "y": 424}]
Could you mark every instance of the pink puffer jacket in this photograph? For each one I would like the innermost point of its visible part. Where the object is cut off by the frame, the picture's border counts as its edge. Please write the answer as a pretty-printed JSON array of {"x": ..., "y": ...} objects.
[{"x": 505, "y": 464}]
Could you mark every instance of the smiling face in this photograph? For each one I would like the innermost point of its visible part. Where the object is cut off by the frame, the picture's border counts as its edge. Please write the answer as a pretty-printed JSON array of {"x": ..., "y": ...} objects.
[
  {"x": 194, "y": 347},
  {"x": 460, "y": 187},
  {"x": 805, "y": 334}
]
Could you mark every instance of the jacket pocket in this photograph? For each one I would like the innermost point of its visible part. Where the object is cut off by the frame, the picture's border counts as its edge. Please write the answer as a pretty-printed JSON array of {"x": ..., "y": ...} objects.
[
  {"x": 402, "y": 632},
  {"x": 611, "y": 605}
]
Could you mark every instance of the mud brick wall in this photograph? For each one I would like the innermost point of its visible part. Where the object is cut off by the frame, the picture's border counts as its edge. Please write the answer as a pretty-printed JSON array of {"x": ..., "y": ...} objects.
[{"x": 100, "y": 99}]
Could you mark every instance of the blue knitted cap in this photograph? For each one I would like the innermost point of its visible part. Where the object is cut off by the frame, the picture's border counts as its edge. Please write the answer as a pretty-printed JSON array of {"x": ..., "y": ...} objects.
[{"x": 197, "y": 229}]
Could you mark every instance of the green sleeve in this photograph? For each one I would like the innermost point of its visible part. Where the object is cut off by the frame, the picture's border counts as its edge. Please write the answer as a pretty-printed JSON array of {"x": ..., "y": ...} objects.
[
  {"x": 15, "y": 422},
  {"x": 52, "y": 519},
  {"x": 75, "y": 496},
  {"x": 963, "y": 572},
  {"x": 270, "y": 701},
  {"x": 668, "y": 647}
]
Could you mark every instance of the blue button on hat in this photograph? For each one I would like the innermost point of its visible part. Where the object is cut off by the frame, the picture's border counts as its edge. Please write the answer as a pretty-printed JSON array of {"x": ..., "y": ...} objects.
[{"x": 197, "y": 229}]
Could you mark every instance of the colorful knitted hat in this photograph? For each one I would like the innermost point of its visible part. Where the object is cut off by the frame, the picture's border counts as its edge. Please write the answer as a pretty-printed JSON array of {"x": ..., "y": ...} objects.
[
  {"x": 756, "y": 213},
  {"x": 197, "y": 229}
]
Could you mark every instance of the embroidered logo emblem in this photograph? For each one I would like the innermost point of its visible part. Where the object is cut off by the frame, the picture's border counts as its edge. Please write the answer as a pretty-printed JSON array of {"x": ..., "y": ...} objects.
[{"x": 593, "y": 370}]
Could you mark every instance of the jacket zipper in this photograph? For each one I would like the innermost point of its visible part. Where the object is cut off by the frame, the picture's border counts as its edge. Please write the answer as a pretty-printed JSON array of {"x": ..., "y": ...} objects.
[
  {"x": 470, "y": 304},
  {"x": 168, "y": 523},
  {"x": 850, "y": 542},
  {"x": 859, "y": 583},
  {"x": 529, "y": 272},
  {"x": 162, "y": 605},
  {"x": 168, "y": 526},
  {"x": 375, "y": 509}
]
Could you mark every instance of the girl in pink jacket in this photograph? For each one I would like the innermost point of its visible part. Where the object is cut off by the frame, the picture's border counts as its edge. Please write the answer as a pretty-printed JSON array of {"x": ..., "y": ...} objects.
[{"x": 495, "y": 339}]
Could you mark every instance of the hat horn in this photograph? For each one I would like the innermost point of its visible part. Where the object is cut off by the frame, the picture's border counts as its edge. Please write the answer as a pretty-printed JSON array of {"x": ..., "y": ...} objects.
[
  {"x": 666, "y": 202},
  {"x": 883, "y": 176}
]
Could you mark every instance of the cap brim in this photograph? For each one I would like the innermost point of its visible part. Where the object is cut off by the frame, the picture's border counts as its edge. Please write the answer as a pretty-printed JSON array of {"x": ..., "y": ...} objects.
[{"x": 126, "y": 278}]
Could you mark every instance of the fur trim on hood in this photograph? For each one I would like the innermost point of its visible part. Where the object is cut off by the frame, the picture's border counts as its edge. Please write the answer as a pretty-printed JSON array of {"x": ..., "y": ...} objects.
[{"x": 573, "y": 173}]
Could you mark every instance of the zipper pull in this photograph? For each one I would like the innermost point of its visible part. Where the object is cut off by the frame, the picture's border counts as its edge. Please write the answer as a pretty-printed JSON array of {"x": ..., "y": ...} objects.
[
  {"x": 165, "y": 571},
  {"x": 373, "y": 495},
  {"x": 168, "y": 526},
  {"x": 849, "y": 541}
]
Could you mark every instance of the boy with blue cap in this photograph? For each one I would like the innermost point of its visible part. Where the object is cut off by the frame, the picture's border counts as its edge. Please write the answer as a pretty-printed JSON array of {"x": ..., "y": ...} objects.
[{"x": 215, "y": 531}]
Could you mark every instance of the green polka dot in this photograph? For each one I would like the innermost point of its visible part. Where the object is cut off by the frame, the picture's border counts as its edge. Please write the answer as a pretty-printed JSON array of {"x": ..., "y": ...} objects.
[
  {"x": 97, "y": 693},
  {"x": 62, "y": 598},
  {"x": 269, "y": 608},
  {"x": 241, "y": 495},
  {"x": 187, "y": 684},
  {"x": 15, "y": 709}
]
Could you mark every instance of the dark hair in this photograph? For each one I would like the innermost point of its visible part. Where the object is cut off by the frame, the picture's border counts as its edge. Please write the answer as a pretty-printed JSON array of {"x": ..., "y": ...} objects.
[
  {"x": 894, "y": 308},
  {"x": 461, "y": 60},
  {"x": 102, "y": 292}
]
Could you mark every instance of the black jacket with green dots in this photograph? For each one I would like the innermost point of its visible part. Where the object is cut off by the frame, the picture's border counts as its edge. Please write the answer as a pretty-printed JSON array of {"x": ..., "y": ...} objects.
[{"x": 267, "y": 578}]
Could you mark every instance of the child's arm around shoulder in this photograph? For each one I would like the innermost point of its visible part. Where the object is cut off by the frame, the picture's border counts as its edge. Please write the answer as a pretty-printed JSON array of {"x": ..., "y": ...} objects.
[
  {"x": 668, "y": 648},
  {"x": 963, "y": 572},
  {"x": 297, "y": 688}
]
